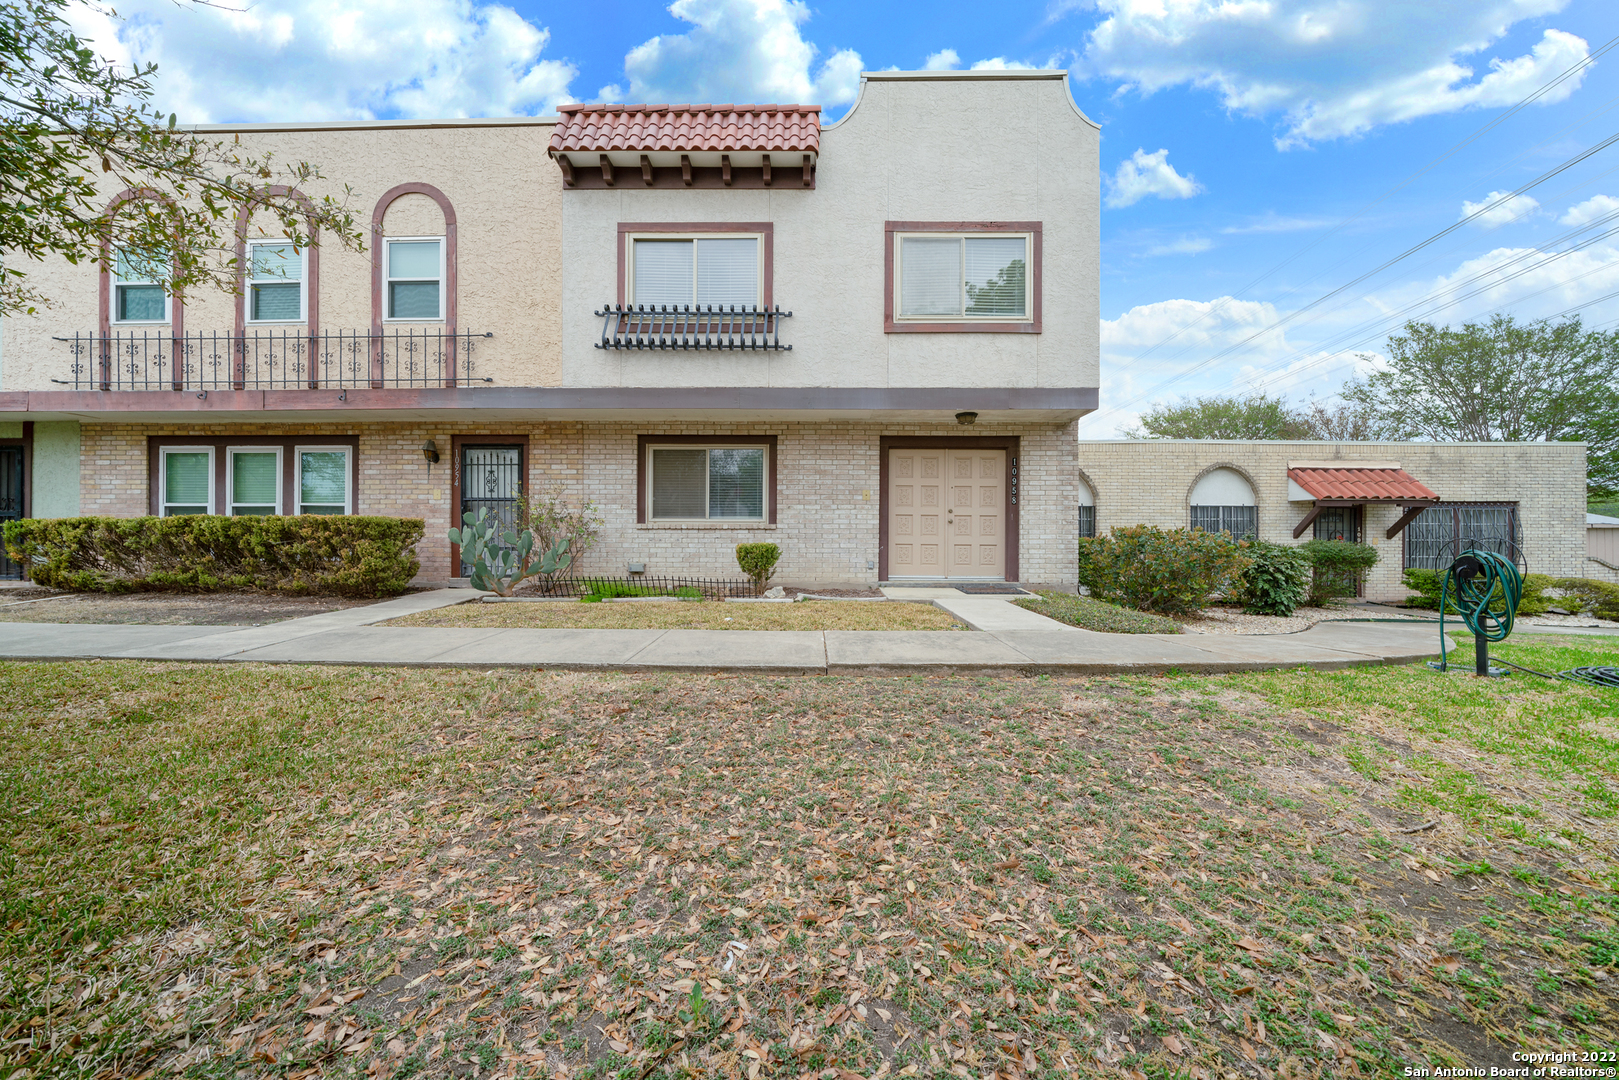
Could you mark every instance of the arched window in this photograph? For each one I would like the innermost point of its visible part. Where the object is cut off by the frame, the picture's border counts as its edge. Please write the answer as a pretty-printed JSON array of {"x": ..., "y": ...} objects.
[
  {"x": 277, "y": 285},
  {"x": 1087, "y": 510},
  {"x": 132, "y": 285},
  {"x": 1223, "y": 501}
]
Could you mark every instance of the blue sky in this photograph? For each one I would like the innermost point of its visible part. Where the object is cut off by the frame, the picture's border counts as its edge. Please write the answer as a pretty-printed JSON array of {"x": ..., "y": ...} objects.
[{"x": 1240, "y": 138}]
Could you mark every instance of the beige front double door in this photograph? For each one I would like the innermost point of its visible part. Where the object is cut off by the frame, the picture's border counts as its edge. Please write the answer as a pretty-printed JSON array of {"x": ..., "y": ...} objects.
[{"x": 947, "y": 514}]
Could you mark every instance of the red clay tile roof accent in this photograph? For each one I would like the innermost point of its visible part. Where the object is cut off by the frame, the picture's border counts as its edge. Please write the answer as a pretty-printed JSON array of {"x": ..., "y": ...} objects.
[
  {"x": 685, "y": 128},
  {"x": 1371, "y": 485}
]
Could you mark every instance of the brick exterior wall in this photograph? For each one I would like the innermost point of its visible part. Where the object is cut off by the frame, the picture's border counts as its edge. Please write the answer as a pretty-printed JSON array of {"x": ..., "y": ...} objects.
[
  {"x": 1150, "y": 482},
  {"x": 827, "y": 529}
]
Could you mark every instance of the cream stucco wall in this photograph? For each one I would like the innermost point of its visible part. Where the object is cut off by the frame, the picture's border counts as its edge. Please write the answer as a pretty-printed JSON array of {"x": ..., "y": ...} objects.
[
  {"x": 955, "y": 147},
  {"x": 506, "y": 196},
  {"x": 1150, "y": 482}
]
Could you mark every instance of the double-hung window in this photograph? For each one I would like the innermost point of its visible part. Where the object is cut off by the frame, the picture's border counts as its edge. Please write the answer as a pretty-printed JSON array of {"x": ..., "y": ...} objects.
[
  {"x": 704, "y": 272},
  {"x": 975, "y": 277},
  {"x": 276, "y": 283},
  {"x": 707, "y": 483},
  {"x": 415, "y": 283},
  {"x": 186, "y": 480},
  {"x": 254, "y": 479},
  {"x": 323, "y": 480},
  {"x": 138, "y": 293}
]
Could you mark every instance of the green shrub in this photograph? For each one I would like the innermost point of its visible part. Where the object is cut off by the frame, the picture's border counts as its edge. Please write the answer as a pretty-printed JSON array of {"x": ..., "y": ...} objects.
[
  {"x": 1171, "y": 571},
  {"x": 339, "y": 555},
  {"x": 1599, "y": 598},
  {"x": 758, "y": 561},
  {"x": 1426, "y": 584},
  {"x": 1338, "y": 567},
  {"x": 1276, "y": 582},
  {"x": 1088, "y": 614}
]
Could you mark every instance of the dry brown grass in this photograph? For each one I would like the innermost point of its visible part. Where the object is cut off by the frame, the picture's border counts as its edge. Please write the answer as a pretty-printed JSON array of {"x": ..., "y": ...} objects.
[{"x": 693, "y": 615}]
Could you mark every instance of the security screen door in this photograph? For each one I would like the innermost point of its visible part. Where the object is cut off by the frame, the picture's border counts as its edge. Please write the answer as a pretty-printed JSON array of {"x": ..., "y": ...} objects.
[
  {"x": 491, "y": 479},
  {"x": 947, "y": 514},
  {"x": 11, "y": 482}
]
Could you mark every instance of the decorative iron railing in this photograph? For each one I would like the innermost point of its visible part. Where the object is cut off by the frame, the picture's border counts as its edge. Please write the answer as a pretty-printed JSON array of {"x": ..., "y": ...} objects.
[
  {"x": 289, "y": 359},
  {"x": 699, "y": 326}
]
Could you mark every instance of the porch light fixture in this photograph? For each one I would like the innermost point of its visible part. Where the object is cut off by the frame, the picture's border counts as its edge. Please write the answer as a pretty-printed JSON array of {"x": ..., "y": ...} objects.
[
  {"x": 966, "y": 419},
  {"x": 430, "y": 452}
]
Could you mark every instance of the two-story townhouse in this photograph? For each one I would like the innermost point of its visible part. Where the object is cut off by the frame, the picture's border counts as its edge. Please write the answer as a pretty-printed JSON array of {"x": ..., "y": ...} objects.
[{"x": 869, "y": 343}]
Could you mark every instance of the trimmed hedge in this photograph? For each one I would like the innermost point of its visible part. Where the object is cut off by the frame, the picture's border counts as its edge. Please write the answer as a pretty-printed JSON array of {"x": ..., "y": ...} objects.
[
  {"x": 340, "y": 555},
  {"x": 1169, "y": 571},
  {"x": 1339, "y": 566},
  {"x": 1426, "y": 584}
]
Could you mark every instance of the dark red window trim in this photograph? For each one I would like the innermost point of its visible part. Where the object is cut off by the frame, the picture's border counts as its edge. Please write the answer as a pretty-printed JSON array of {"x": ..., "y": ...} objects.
[
  {"x": 767, "y": 246},
  {"x": 456, "y": 443},
  {"x": 642, "y": 496},
  {"x": 1031, "y": 326},
  {"x": 1012, "y": 444},
  {"x": 289, "y": 471},
  {"x": 312, "y": 276}
]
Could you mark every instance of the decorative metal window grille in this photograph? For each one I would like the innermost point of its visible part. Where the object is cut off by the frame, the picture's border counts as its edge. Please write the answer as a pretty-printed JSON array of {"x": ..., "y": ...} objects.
[
  {"x": 1239, "y": 521},
  {"x": 491, "y": 479},
  {"x": 1442, "y": 531},
  {"x": 692, "y": 326},
  {"x": 1087, "y": 521}
]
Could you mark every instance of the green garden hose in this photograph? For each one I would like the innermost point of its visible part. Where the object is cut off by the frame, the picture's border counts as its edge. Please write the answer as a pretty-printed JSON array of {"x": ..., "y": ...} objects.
[{"x": 1487, "y": 588}]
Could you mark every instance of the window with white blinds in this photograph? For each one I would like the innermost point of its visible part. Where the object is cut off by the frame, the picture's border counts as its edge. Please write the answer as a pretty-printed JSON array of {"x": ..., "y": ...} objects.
[
  {"x": 964, "y": 277},
  {"x": 709, "y": 483},
  {"x": 679, "y": 272}
]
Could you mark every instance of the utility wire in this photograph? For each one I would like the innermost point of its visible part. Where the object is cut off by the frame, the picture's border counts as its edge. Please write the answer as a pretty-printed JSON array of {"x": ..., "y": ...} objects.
[{"x": 1582, "y": 64}]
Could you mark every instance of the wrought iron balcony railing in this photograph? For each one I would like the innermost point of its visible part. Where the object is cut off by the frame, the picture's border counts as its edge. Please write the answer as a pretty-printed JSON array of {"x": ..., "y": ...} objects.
[
  {"x": 700, "y": 326},
  {"x": 289, "y": 359}
]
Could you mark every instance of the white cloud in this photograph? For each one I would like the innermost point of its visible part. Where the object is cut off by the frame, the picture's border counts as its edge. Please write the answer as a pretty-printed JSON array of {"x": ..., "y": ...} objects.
[
  {"x": 1001, "y": 63},
  {"x": 1520, "y": 206},
  {"x": 310, "y": 60},
  {"x": 943, "y": 60},
  {"x": 1272, "y": 222},
  {"x": 1142, "y": 174},
  {"x": 1332, "y": 69},
  {"x": 739, "y": 51},
  {"x": 1589, "y": 210},
  {"x": 1186, "y": 245}
]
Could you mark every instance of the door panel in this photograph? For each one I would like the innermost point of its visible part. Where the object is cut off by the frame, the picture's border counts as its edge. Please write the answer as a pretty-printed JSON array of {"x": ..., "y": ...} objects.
[{"x": 946, "y": 514}]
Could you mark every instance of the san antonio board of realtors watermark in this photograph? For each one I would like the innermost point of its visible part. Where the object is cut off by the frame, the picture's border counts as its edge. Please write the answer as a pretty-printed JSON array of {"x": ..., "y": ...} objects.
[{"x": 1565, "y": 1065}]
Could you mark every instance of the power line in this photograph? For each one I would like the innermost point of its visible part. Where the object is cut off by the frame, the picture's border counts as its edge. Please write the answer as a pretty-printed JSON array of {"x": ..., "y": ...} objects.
[{"x": 1582, "y": 64}]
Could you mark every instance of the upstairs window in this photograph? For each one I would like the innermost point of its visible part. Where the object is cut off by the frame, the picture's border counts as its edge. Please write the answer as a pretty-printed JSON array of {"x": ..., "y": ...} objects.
[
  {"x": 690, "y": 483},
  {"x": 275, "y": 283},
  {"x": 964, "y": 277},
  {"x": 415, "y": 279},
  {"x": 138, "y": 293},
  {"x": 705, "y": 272}
]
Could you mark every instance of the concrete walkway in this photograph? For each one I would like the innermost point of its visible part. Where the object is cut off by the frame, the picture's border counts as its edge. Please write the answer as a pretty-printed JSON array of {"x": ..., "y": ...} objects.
[{"x": 1009, "y": 641}]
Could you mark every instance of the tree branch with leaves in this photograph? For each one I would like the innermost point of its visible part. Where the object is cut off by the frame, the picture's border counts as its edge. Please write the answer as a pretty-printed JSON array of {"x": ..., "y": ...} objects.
[{"x": 76, "y": 131}]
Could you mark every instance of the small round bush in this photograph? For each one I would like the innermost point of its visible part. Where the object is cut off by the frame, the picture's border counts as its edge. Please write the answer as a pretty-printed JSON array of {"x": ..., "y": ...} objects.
[{"x": 1277, "y": 580}]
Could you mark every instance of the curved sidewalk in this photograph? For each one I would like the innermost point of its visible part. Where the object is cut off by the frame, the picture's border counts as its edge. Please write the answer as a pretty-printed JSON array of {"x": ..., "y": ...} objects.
[{"x": 1005, "y": 640}]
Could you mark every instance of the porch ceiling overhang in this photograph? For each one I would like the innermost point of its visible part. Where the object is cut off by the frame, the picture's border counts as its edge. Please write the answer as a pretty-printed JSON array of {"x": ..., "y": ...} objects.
[
  {"x": 1330, "y": 484},
  {"x": 651, "y": 404}
]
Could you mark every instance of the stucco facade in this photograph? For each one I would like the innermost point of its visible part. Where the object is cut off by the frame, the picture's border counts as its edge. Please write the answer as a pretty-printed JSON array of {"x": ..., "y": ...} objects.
[{"x": 1151, "y": 482}]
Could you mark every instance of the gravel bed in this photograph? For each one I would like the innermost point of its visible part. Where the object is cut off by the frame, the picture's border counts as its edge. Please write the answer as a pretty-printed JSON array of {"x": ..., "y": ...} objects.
[
  {"x": 1568, "y": 620},
  {"x": 1222, "y": 620}
]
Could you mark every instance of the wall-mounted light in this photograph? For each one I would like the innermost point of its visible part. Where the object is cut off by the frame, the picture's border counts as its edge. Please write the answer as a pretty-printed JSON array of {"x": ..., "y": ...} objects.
[
  {"x": 430, "y": 452},
  {"x": 966, "y": 419}
]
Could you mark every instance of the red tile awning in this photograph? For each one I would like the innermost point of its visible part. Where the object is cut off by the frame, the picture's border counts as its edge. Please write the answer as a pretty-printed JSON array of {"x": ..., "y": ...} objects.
[
  {"x": 1353, "y": 485},
  {"x": 594, "y": 129}
]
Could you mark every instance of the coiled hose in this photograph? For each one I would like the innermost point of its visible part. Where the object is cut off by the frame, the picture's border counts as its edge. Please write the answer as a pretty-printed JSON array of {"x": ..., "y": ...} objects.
[{"x": 1486, "y": 589}]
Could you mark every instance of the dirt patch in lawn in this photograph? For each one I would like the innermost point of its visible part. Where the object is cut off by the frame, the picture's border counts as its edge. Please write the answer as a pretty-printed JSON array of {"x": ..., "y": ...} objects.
[
  {"x": 692, "y": 615},
  {"x": 320, "y": 871},
  {"x": 187, "y": 609}
]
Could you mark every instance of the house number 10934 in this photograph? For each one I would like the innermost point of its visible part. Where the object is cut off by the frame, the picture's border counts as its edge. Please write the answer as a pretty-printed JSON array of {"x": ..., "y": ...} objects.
[{"x": 1014, "y": 482}]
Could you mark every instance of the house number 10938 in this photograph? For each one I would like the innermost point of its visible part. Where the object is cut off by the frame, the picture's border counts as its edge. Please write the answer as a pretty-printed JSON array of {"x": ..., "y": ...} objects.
[{"x": 1014, "y": 482}]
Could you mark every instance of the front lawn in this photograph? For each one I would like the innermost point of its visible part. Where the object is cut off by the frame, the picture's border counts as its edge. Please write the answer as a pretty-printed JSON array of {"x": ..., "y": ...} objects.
[
  {"x": 302, "y": 871},
  {"x": 694, "y": 615}
]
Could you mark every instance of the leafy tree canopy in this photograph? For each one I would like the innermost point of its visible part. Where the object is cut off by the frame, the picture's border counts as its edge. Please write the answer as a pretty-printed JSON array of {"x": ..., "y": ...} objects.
[
  {"x": 1222, "y": 417},
  {"x": 75, "y": 131}
]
